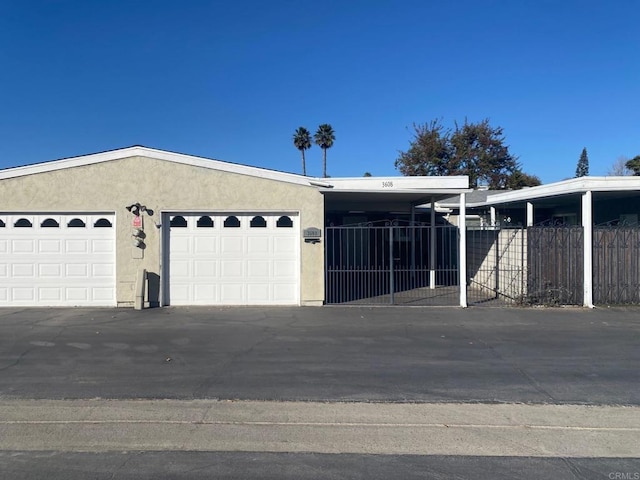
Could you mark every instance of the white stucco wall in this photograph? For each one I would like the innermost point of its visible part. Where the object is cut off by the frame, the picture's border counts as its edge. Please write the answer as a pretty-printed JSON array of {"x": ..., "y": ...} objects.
[{"x": 164, "y": 186}]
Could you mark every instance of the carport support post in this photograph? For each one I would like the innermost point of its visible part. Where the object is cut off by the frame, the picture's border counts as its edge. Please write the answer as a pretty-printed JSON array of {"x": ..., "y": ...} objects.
[
  {"x": 529, "y": 214},
  {"x": 462, "y": 263},
  {"x": 433, "y": 245},
  {"x": 587, "y": 226}
]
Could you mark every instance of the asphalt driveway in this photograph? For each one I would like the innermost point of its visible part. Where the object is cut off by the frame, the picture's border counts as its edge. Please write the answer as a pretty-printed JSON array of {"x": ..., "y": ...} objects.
[{"x": 323, "y": 354}]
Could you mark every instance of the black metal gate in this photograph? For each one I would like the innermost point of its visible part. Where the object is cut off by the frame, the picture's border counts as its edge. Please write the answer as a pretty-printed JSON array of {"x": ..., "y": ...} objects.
[{"x": 391, "y": 263}]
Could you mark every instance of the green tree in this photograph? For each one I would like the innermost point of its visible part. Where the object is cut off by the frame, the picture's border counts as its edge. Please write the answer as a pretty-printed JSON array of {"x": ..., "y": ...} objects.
[
  {"x": 582, "y": 169},
  {"x": 634, "y": 165},
  {"x": 324, "y": 138},
  {"x": 302, "y": 141},
  {"x": 477, "y": 150},
  {"x": 519, "y": 179},
  {"x": 429, "y": 151}
]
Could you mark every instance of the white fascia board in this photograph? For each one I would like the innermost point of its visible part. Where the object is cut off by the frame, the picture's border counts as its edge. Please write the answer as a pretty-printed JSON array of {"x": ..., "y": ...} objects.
[
  {"x": 572, "y": 186},
  {"x": 384, "y": 184},
  {"x": 157, "y": 154},
  {"x": 423, "y": 192}
]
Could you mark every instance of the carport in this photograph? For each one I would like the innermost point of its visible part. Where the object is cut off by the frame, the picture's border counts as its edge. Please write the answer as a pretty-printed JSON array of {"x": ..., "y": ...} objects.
[
  {"x": 581, "y": 238},
  {"x": 379, "y": 249}
]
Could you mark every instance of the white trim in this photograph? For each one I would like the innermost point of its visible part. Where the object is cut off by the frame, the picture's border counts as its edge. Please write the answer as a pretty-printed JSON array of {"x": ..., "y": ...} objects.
[
  {"x": 455, "y": 184},
  {"x": 157, "y": 154},
  {"x": 574, "y": 185},
  {"x": 462, "y": 264}
]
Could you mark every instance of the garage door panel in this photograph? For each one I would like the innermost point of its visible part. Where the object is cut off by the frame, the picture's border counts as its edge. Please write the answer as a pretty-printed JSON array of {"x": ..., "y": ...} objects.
[
  {"x": 77, "y": 246},
  {"x": 284, "y": 245},
  {"x": 284, "y": 268},
  {"x": 258, "y": 294},
  {"x": 52, "y": 270},
  {"x": 180, "y": 244},
  {"x": 77, "y": 294},
  {"x": 23, "y": 294},
  {"x": 205, "y": 268},
  {"x": 22, "y": 246},
  {"x": 77, "y": 270},
  {"x": 23, "y": 270},
  {"x": 102, "y": 270},
  {"x": 232, "y": 294},
  {"x": 49, "y": 246},
  {"x": 233, "y": 266},
  {"x": 258, "y": 268},
  {"x": 203, "y": 293},
  {"x": 50, "y": 294},
  {"x": 205, "y": 245},
  {"x": 57, "y": 265},
  {"x": 102, "y": 246},
  {"x": 284, "y": 292},
  {"x": 231, "y": 244},
  {"x": 104, "y": 294},
  {"x": 180, "y": 269},
  {"x": 258, "y": 245}
]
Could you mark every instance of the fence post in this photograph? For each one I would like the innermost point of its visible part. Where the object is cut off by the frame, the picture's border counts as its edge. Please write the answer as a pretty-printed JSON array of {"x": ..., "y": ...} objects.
[{"x": 391, "y": 283}]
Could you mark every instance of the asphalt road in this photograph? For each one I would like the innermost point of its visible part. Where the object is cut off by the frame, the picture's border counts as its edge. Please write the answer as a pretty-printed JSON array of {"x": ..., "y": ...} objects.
[
  {"x": 278, "y": 466},
  {"x": 323, "y": 354},
  {"x": 535, "y": 393}
]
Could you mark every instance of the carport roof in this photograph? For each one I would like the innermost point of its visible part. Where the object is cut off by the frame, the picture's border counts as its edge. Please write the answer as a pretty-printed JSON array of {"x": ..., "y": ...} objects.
[
  {"x": 410, "y": 190},
  {"x": 552, "y": 193}
]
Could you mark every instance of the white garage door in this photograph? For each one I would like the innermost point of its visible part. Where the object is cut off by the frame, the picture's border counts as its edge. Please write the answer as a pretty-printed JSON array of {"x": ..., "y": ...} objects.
[
  {"x": 240, "y": 259},
  {"x": 57, "y": 260}
]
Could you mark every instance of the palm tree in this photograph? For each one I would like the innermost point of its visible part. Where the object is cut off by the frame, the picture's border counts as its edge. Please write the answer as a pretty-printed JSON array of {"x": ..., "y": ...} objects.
[
  {"x": 324, "y": 138},
  {"x": 302, "y": 141}
]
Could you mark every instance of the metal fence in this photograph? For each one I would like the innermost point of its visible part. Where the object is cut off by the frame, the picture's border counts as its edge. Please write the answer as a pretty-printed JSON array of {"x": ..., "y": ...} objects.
[
  {"x": 391, "y": 263},
  {"x": 417, "y": 264}
]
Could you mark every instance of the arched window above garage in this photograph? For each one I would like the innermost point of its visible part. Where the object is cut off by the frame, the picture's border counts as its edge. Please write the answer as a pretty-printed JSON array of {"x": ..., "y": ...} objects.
[
  {"x": 76, "y": 223},
  {"x": 102, "y": 223},
  {"x": 258, "y": 222},
  {"x": 205, "y": 222},
  {"x": 50, "y": 223},
  {"x": 284, "y": 222},
  {"x": 178, "y": 222},
  {"x": 23, "y": 223},
  {"x": 231, "y": 222}
]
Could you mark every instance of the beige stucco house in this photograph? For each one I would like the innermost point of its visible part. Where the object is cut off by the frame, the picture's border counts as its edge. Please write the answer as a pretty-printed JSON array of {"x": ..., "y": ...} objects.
[{"x": 139, "y": 225}]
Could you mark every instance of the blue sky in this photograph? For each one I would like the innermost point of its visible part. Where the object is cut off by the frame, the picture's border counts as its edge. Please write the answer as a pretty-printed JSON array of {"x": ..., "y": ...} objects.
[{"x": 233, "y": 80}]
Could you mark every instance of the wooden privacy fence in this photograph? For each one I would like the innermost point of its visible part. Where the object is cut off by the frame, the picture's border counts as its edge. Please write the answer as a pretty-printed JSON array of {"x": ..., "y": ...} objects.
[
  {"x": 555, "y": 260},
  {"x": 616, "y": 265}
]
